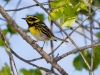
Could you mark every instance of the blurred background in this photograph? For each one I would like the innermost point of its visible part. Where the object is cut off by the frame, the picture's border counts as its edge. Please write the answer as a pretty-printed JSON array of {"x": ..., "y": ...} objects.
[{"x": 73, "y": 63}]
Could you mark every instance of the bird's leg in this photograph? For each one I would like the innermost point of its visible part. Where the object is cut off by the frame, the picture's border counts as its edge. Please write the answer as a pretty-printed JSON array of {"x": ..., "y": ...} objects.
[
  {"x": 36, "y": 40},
  {"x": 43, "y": 45}
]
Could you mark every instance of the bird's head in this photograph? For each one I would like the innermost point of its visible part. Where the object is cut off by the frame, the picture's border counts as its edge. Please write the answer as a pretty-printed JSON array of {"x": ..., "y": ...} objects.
[{"x": 31, "y": 20}]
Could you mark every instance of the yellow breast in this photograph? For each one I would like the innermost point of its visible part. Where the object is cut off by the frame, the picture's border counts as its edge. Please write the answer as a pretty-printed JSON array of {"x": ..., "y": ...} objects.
[
  {"x": 34, "y": 32},
  {"x": 38, "y": 34}
]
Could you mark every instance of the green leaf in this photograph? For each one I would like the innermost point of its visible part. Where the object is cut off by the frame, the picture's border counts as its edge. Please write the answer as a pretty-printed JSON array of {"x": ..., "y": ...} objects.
[
  {"x": 57, "y": 3},
  {"x": 78, "y": 63},
  {"x": 58, "y": 8},
  {"x": 40, "y": 16},
  {"x": 74, "y": 2},
  {"x": 67, "y": 11},
  {"x": 30, "y": 72},
  {"x": 69, "y": 22},
  {"x": 83, "y": 5},
  {"x": 5, "y": 70},
  {"x": 86, "y": 2},
  {"x": 97, "y": 52},
  {"x": 10, "y": 29},
  {"x": 70, "y": 17},
  {"x": 96, "y": 57},
  {"x": 6, "y": 0},
  {"x": 5, "y": 31},
  {"x": 26, "y": 72},
  {"x": 56, "y": 13},
  {"x": 98, "y": 34},
  {"x": 1, "y": 42}
]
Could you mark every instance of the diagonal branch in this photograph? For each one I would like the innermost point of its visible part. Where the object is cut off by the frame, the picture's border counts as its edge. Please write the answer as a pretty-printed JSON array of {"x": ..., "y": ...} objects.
[
  {"x": 26, "y": 61},
  {"x": 31, "y": 42},
  {"x": 9, "y": 52},
  {"x": 76, "y": 50}
]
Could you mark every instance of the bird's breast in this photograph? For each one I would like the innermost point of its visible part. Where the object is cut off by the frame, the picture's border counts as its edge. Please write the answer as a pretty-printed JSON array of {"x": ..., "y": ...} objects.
[
  {"x": 34, "y": 31},
  {"x": 38, "y": 34}
]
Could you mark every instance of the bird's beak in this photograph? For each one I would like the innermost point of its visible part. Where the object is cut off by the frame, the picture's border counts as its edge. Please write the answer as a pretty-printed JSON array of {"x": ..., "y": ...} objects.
[{"x": 24, "y": 18}]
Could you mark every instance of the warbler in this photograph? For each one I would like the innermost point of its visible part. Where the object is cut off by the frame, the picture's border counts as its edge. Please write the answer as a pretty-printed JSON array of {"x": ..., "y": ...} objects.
[{"x": 39, "y": 29}]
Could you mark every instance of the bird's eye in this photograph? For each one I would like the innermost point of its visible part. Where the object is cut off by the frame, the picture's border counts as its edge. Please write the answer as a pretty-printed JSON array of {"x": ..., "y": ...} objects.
[
  {"x": 34, "y": 19},
  {"x": 29, "y": 19}
]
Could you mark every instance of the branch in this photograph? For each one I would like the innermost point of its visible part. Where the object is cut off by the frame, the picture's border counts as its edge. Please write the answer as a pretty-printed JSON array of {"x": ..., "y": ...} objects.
[
  {"x": 31, "y": 42},
  {"x": 48, "y": 54},
  {"x": 75, "y": 50},
  {"x": 16, "y": 7},
  {"x": 91, "y": 35},
  {"x": 51, "y": 42},
  {"x": 9, "y": 52},
  {"x": 26, "y": 61},
  {"x": 25, "y": 7}
]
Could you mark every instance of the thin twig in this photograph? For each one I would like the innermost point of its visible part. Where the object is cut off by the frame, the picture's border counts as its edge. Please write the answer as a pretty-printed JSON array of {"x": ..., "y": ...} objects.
[
  {"x": 75, "y": 50},
  {"x": 52, "y": 9},
  {"x": 45, "y": 3},
  {"x": 48, "y": 54},
  {"x": 51, "y": 42},
  {"x": 9, "y": 51},
  {"x": 14, "y": 65},
  {"x": 91, "y": 35},
  {"x": 22, "y": 59},
  {"x": 6, "y": 4},
  {"x": 16, "y": 7}
]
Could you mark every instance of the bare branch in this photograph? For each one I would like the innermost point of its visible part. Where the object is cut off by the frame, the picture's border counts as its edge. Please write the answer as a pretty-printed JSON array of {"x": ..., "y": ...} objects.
[
  {"x": 45, "y": 3},
  {"x": 16, "y": 7},
  {"x": 75, "y": 50},
  {"x": 9, "y": 52},
  {"x": 91, "y": 35},
  {"x": 47, "y": 70}
]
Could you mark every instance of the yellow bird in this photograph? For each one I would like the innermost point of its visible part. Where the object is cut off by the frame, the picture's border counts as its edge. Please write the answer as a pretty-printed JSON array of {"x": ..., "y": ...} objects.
[{"x": 39, "y": 29}]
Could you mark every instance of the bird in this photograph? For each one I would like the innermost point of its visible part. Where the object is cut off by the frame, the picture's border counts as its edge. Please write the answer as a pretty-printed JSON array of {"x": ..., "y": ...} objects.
[{"x": 39, "y": 29}]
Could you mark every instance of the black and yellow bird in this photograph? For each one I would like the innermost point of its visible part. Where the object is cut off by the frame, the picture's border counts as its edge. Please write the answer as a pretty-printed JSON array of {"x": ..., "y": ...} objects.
[{"x": 39, "y": 29}]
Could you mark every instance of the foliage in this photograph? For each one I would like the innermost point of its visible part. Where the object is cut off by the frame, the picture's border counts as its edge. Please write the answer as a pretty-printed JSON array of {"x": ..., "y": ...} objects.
[
  {"x": 40, "y": 16},
  {"x": 6, "y": 0},
  {"x": 5, "y": 70},
  {"x": 30, "y": 72},
  {"x": 98, "y": 34},
  {"x": 5, "y": 31},
  {"x": 79, "y": 63},
  {"x": 67, "y": 11},
  {"x": 1, "y": 43},
  {"x": 10, "y": 29}
]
